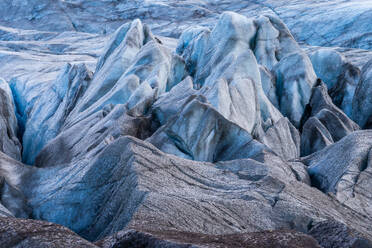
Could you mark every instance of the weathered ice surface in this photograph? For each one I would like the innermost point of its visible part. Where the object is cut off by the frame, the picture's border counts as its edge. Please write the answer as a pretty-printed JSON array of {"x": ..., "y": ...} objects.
[
  {"x": 294, "y": 86},
  {"x": 356, "y": 57},
  {"x": 188, "y": 126},
  {"x": 199, "y": 132},
  {"x": 39, "y": 65},
  {"x": 134, "y": 66},
  {"x": 9, "y": 142},
  {"x": 283, "y": 138},
  {"x": 316, "y": 22},
  {"x": 4, "y": 212},
  {"x": 340, "y": 76},
  {"x": 335, "y": 234},
  {"x": 52, "y": 108},
  {"x": 12, "y": 175},
  {"x": 163, "y": 193},
  {"x": 224, "y": 65},
  {"x": 362, "y": 107},
  {"x": 344, "y": 169},
  {"x": 324, "y": 123}
]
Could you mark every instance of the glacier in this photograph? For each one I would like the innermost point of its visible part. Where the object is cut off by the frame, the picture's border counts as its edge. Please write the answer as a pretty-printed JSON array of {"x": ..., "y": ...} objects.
[{"x": 185, "y": 124}]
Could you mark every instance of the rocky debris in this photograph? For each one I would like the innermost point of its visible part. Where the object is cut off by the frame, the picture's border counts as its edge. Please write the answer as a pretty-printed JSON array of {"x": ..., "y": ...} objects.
[
  {"x": 9, "y": 142},
  {"x": 335, "y": 234},
  {"x": 34, "y": 233},
  {"x": 136, "y": 239},
  {"x": 266, "y": 239},
  {"x": 38, "y": 234},
  {"x": 343, "y": 169},
  {"x": 277, "y": 239},
  {"x": 362, "y": 109},
  {"x": 324, "y": 123}
]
